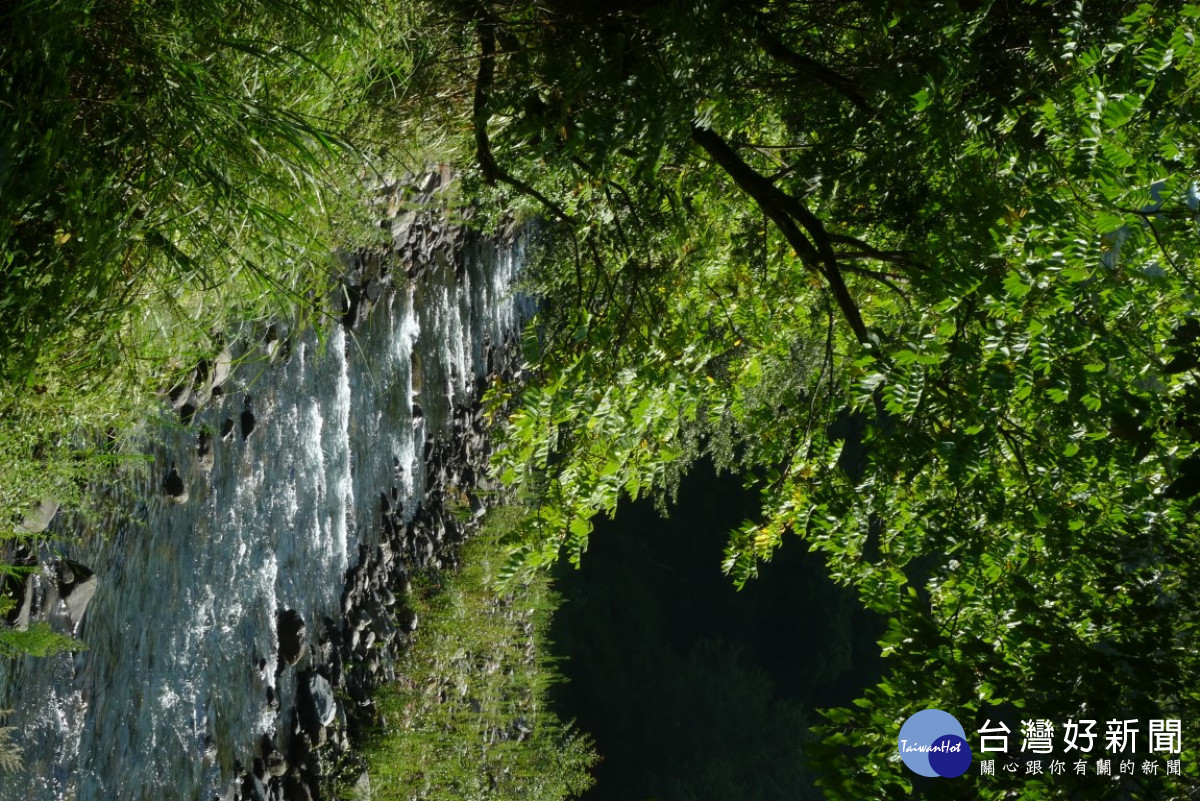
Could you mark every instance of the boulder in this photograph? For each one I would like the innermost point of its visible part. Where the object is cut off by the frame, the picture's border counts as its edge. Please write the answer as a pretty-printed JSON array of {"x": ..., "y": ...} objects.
[
  {"x": 76, "y": 587},
  {"x": 315, "y": 703},
  {"x": 295, "y": 789},
  {"x": 222, "y": 367},
  {"x": 408, "y": 620},
  {"x": 276, "y": 764},
  {"x": 32, "y": 603},
  {"x": 253, "y": 789},
  {"x": 181, "y": 393},
  {"x": 204, "y": 451},
  {"x": 361, "y": 791},
  {"x": 38, "y": 518}
]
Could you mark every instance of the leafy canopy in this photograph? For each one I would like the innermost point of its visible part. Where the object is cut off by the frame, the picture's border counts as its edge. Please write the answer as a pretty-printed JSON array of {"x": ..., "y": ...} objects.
[{"x": 924, "y": 275}]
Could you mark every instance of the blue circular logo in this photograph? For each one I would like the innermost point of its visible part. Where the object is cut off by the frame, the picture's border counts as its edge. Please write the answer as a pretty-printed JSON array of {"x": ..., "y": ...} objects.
[{"x": 932, "y": 743}]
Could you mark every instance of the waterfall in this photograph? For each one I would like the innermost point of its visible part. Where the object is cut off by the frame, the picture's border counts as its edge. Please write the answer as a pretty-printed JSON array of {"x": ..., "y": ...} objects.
[{"x": 179, "y": 679}]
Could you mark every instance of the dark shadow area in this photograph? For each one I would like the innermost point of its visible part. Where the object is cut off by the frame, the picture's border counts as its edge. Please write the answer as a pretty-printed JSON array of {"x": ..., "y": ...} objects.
[{"x": 692, "y": 689}]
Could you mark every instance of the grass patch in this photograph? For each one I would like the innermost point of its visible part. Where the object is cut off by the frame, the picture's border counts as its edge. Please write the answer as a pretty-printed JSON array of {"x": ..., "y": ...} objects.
[{"x": 468, "y": 718}]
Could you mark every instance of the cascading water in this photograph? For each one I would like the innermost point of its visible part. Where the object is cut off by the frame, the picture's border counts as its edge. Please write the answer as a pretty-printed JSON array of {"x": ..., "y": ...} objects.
[{"x": 177, "y": 681}]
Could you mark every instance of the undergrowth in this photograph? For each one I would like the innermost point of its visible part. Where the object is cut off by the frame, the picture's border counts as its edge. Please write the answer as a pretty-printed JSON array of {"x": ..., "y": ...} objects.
[{"x": 468, "y": 717}]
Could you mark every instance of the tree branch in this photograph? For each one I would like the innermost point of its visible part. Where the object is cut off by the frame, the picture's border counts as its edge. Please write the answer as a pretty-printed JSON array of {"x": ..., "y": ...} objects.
[
  {"x": 785, "y": 211},
  {"x": 492, "y": 171},
  {"x": 904, "y": 257},
  {"x": 882, "y": 278},
  {"x": 847, "y": 87}
]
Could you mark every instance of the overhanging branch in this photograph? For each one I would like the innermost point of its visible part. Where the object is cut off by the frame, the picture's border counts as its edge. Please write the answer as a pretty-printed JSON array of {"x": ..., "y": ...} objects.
[
  {"x": 785, "y": 211},
  {"x": 848, "y": 88},
  {"x": 492, "y": 171}
]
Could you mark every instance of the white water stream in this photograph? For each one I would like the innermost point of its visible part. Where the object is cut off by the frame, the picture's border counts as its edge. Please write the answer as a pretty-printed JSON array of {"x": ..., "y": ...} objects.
[{"x": 173, "y": 689}]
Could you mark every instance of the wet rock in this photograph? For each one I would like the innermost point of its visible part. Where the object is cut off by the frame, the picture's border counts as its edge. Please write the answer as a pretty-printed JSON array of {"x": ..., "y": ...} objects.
[
  {"x": 253, "y": 789},
  {"x": 204, "y": 451},
  {"x": 32, "y": 602},
  {"x": 361, "y": 791},
  {"x": 227, "y": 429},
  {"x": 202, "y": 384},
  {"x": 181, "y": 393},
  {"x": 374, "y": 290},
  {"x": 296, "y": 789},
  {"x": 384, "y": 558},
  {"x": 316, "y": 704},
  {"x": 293, "y": 636},
  {"x": 272, "y": 758},
  {"x": 76, "y": 587},
  {"x": 276, "y": 343},
  {"x": 222, "y": 368},
  {"x": 356, "y": 306}
]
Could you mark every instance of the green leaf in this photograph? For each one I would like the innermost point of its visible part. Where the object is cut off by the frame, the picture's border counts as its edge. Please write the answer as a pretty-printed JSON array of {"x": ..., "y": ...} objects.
[{"x": 1015, "y": 285}]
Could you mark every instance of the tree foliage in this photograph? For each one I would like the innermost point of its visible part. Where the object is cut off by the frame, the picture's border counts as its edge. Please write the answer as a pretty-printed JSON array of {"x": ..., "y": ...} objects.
[{"x": 925, "y": 276}]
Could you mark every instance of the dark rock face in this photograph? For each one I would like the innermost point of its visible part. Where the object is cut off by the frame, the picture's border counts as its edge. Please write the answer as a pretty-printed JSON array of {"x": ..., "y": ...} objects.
[{"x": 293, "y": 637}]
